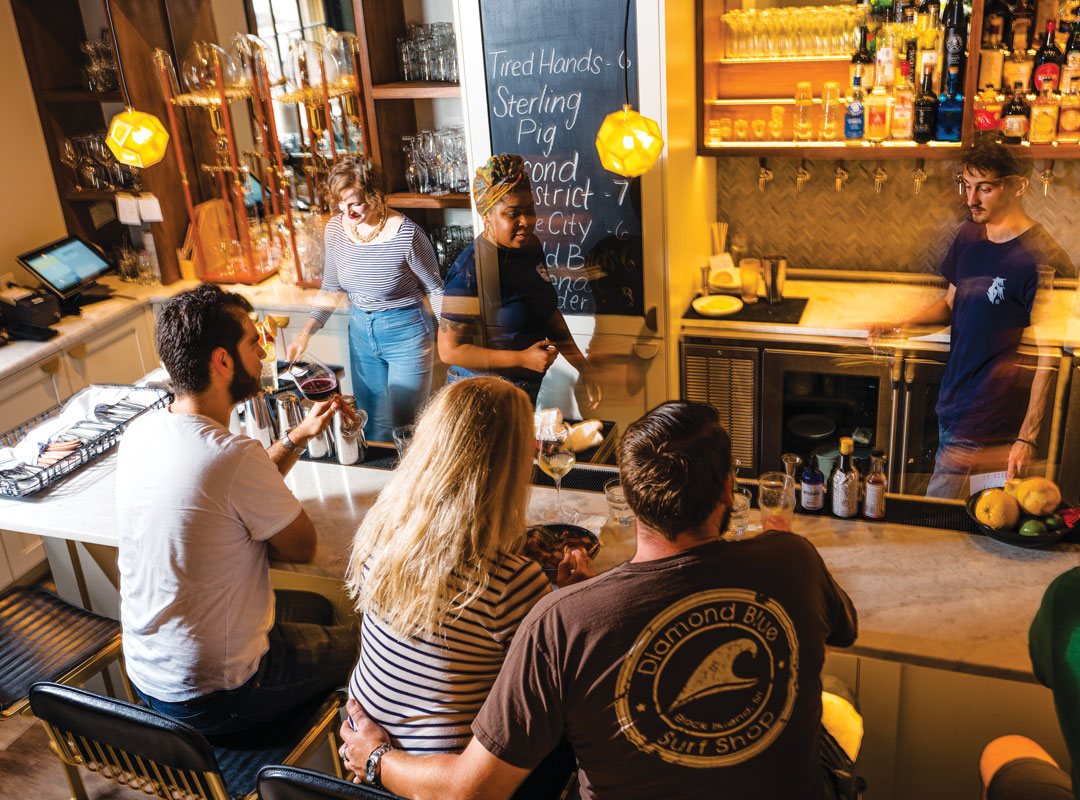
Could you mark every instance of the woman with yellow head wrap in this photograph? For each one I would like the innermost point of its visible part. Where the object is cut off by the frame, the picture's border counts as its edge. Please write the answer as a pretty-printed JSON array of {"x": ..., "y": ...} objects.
[{"x": 501, "y": 314}]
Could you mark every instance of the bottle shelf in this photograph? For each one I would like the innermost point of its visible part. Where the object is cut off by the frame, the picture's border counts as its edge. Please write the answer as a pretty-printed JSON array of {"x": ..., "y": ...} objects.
[
  {"x": 415, "y": 90},
  {"x": 81, "y": 96},
  {"x": 89, "y": 195},
  {"x": 855, "y": 151},
  {"x": 413, "y": 200}
]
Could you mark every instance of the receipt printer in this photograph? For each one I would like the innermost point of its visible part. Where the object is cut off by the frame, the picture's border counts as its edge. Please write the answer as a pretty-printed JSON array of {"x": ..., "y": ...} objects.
[{"x": 28, "y": 308}]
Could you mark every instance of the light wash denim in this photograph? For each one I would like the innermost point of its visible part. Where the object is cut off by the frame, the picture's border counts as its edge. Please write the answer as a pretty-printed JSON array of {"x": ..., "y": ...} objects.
[
  {"x": 392, "y": 354},
  {"x": 531, "y": 386}
]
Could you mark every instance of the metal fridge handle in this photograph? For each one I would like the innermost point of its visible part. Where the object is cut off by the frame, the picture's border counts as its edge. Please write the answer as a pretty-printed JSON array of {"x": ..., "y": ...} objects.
[
  {"x": 896, "y": 374},
  {"x": 909, "y": 378}
]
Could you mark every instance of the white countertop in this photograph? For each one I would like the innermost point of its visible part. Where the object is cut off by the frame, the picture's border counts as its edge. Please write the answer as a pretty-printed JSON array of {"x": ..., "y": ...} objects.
[
  {"x": 924, "y": 596},
  {"x": 847, "y": 309}
]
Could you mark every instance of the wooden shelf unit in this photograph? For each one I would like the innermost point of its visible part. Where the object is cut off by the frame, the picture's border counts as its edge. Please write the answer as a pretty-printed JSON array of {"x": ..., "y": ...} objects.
[
  {"x": 415, "y": 90},
  {"x": 412, "y": 200},
  {"x": 741, "y": 88}
]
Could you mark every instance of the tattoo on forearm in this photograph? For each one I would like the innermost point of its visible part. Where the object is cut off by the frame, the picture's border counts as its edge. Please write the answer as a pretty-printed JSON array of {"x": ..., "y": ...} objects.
[{"x": 462, "y": 331}]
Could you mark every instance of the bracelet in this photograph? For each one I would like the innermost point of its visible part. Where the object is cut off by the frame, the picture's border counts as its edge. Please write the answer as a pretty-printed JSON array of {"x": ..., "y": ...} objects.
[{"x": 1028, "y": 442}]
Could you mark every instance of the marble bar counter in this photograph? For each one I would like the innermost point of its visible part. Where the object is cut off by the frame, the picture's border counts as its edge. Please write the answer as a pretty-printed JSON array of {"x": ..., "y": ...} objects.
[
  {"x": 928, "y": 597},
  {"x": 845, "y": 309}
]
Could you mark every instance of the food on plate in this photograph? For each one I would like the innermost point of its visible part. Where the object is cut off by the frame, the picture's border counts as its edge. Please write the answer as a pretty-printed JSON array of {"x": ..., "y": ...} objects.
[
  {"x": 1012, "y": 486},
  {"x": 996, "y": 509},
  {"x": 547, "y": 545},
  {"x": 1054, "y": 522},
  {"x": 585, "y": 435},
  {"x": 1032, "y": 527},
  {"x": 1039, "y": 496}
]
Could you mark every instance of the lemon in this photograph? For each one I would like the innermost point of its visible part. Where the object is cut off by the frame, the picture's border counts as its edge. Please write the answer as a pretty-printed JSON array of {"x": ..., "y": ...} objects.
[{"x": 1039, "y": 496}]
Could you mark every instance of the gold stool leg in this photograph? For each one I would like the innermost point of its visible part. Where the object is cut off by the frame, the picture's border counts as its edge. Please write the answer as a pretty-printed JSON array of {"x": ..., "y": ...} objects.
[{"x": 335, "y": 757}]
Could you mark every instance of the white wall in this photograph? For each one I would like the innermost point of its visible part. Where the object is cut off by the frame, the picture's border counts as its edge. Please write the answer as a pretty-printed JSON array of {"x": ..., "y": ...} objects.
[{"x": 29, "y": 205}]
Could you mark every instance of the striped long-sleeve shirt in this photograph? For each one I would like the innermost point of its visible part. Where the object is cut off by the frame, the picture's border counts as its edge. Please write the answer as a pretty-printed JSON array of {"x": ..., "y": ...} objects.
[
  {"x": 380, "y": 275},
  {"x": 426, "y": 691}
]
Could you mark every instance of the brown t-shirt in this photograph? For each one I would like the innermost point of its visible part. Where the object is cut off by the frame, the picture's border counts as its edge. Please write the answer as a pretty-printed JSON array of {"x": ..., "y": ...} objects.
[{"x": 689, "y": 676}]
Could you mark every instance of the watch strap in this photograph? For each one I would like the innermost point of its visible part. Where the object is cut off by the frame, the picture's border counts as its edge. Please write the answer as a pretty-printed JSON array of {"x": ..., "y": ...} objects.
[
  {"x": 288, "y": 443},
  {"x": 372, "y": 769}
]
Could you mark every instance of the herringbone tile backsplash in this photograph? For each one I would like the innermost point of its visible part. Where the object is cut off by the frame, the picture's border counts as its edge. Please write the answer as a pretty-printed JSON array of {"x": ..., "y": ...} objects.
[{"x": 857, "y": 229}]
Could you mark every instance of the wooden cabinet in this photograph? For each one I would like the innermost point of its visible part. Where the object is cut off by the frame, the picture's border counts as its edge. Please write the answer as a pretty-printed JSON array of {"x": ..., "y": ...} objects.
[
  {"x": 32, "y": 390},
  {"x": 123, "y": 353}
]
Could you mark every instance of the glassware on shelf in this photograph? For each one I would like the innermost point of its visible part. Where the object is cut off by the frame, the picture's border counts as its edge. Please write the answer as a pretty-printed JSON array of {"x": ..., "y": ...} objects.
[
  {"x": 803, "y": 125},
  {"x": 428, "y": 53},
  {"x": 100, "y": 71},
  {"x": 809, "y": 32},
  {"x": 436, "y": 161},
  {"x": 448, "y": 242}
]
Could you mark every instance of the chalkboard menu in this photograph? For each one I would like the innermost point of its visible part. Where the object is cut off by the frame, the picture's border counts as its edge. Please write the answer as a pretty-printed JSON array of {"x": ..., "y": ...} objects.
[{"x": 554, "y": 71}]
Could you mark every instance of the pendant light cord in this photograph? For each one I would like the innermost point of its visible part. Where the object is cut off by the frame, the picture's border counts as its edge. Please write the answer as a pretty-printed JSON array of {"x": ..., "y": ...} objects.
[
  {"x": 626, "y": 54},
  {"x": 116, "y": 55}
]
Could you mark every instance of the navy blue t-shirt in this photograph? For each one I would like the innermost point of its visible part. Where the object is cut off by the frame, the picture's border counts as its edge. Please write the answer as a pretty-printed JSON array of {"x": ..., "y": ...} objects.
[
  {"x": 995, "y": 289},
  {"x": 526, "y": 302}
]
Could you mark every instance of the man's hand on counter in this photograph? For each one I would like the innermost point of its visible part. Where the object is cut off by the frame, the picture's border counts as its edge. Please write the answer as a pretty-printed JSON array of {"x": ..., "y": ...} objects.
[{"x": 1021, "y": 454}]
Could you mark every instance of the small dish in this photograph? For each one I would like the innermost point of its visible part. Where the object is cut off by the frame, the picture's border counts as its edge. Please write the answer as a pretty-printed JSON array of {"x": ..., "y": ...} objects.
[
  {"x": 717, "y": 305},
  {"x": 1012, "y": 537},
  {"x": 545, "y": 544}
]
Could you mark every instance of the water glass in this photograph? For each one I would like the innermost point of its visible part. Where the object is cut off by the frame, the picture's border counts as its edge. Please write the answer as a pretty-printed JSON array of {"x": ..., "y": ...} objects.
[
  {"x": 403, "y": 435},
  {"x": 776, "y": 499},
  {"x": 740, "y": 515},
  {"x": 616, "y": 497},
  {"x": 148, "y": 269},
  {"x": 127, "y": 261},
  {"x": 749, "y": 273}
]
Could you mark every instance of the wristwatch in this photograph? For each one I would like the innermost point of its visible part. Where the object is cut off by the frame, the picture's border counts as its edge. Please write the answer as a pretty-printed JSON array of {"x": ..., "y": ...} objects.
[
  {"x": 289, "y": 445},
  {"x": 372, "y": 771}
]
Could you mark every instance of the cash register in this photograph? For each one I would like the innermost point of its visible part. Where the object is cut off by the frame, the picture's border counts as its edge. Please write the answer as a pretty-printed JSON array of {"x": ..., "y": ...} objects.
[{"x": 68, "y": 269}]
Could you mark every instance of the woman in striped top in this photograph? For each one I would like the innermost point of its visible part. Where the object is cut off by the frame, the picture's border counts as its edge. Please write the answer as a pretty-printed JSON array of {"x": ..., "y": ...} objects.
[
  {"x": 386, "y": 264},
  {"x": 436, "y": 568}
]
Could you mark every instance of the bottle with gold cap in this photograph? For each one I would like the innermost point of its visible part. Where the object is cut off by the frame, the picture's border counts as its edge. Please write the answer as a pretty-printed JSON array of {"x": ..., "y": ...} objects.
[{"x": 844, "y": 486}]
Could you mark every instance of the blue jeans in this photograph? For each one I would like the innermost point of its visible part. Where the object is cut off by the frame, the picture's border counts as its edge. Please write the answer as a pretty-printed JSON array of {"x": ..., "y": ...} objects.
[
  {"x": 392, "y": 353},
  {"x": 531, "y": 386},
  {"x": 308, "y": 657},
  {"x": 954, "y": 462}
]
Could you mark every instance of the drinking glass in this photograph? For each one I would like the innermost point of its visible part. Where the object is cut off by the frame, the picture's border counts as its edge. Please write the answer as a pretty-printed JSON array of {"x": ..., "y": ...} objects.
[
  {"x": 740, "y": 515},
  {"x": 148, "y": 269},
  {"x": 749, "y": 273},
  {"x": 616, "y": 497},
  {"x": 742, "y": 128},
  {"x": 403, "y": 435},
  {"x": 776, "y": 499},
  {"x": 127, "y": 262},
  {"x": 556, "y": 459},
  {"x": 314, "y": 379}
]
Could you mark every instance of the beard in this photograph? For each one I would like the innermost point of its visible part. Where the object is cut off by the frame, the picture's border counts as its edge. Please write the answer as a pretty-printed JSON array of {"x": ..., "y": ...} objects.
[{"x": 243, "y": 384}]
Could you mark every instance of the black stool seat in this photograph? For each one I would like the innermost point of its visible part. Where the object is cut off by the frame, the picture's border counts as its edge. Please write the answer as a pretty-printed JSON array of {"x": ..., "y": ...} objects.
[
  {"x": 44, "y": 638},
  {"x": 294, "y": 783}
]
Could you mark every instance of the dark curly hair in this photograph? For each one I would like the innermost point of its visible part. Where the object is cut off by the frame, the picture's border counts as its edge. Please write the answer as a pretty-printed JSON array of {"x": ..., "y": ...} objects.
[
  {"x": 194, "y": 324},
  {"x": 673, "y": 464}
]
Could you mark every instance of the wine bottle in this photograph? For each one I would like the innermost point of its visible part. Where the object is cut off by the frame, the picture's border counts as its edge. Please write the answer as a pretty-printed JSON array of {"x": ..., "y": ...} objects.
[
  {"x": 926, "y": 108},
  {"x": 862, "y": 63},
  {"x": 954, "y": 21},
  {"x": 1070, "y": 70},
  {"x": 1048, "y": 61}
]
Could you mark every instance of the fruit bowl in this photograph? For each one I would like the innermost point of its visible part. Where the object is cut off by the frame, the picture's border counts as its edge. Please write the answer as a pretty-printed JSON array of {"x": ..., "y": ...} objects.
[{"x": 1010, "y": 536}]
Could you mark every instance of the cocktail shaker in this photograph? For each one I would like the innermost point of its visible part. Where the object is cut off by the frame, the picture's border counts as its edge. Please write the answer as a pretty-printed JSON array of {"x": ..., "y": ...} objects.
[
  {"x": 258, "y": 423},
  {"x": 774, "y": 273},
  {"x": 289, "y": 412},
  {"x": 322, "y": 445},
  {"x": 349, "y": 442}
]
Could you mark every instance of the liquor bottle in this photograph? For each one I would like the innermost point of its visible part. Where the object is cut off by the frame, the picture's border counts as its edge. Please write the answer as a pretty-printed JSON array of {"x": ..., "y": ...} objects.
[
  {"x": 1018, "y": 68},
  {"x": 1044, "y": 10},
  {"x": 929, "y": 14},
  {"x": 950, "y": 108},
  {"x": 812, "y": 486},
  {"x": 1023, "y": 26},
  {"x": 1015, "y": 116},
  {"x": 844, "y": 485},
  {"x": 886, "y": 55},
  {"x": 903, "y": 106},
  {"x": 924, "y": 127},
  {"x": 854, "y": 118},
  {"x": 1066, "y": 21},
  {"x": 1070, "y": 70},
  {"x": 988, "y": 105},
  {"x": 996, "y": 21},
  {"x": 1048, "y": 61},
  {"x": 954, "y": 38},
  {"x": 877, "y": 113},
  {"x": 1069, "y": 118},
  {"x": 1044, "y": 115},
  {"x": 862, "y": 63},
  {"x": 877, "y": 483}
]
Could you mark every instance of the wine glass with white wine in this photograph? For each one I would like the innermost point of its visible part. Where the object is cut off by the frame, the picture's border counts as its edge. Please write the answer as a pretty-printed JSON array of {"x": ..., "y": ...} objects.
[{"x": 554, "y": 457}]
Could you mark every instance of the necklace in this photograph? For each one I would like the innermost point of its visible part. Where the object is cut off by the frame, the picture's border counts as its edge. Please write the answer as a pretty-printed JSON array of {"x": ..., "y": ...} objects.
[{"x": 365, "y": 239}]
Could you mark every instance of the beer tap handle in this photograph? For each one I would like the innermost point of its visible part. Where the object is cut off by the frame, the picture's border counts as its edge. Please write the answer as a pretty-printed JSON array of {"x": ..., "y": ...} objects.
[
  {"x": 919, "y": 176},
  {"x": 1046, "y": 177},
  {"x": 802, "y": 176},
  {"x": 764, "y": 174},
  {"x": 880, "y": 176},
  {"x": 841, "y": 176}
]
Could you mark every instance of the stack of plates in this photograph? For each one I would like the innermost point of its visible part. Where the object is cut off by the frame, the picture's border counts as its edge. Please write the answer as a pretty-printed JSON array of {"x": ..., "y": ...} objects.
[{"x": 717, "y": 305}]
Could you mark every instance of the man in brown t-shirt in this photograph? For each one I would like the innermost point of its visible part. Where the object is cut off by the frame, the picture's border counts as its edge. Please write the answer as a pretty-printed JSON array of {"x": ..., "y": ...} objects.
[{"x": 693, "y": 670}]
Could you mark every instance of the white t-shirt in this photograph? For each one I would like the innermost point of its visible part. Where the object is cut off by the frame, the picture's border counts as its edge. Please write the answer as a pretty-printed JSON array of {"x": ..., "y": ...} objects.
[{"x": 196, "y": 505}]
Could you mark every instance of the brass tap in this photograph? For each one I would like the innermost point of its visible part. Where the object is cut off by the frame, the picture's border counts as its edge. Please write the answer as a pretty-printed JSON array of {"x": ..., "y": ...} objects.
[
  {"x": 764, "y": 174},
  {"x": 880, "y": 176},
  {"x": 1046, "y": 178},
  {"x": 802, "y": 176},
  {"x": 919, "y": 176},
  {"x": 841, "y": 176}
]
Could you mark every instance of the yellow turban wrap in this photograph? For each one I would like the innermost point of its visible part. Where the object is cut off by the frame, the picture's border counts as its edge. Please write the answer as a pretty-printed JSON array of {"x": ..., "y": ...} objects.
[{"x": 501, "y": 174}]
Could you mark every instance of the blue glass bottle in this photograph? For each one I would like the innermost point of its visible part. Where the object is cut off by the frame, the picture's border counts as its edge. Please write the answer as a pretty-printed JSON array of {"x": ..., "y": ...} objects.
[
  {"x": 812, "y": 483},
  {"x": 950, "y": 108},
  {"x": 854, "y": 119}
]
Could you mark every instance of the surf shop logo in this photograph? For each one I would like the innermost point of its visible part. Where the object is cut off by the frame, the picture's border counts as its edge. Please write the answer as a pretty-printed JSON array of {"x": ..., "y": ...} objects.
[
  {"x": 711, "y": 681},
  {"x": 996, "y": 292}
]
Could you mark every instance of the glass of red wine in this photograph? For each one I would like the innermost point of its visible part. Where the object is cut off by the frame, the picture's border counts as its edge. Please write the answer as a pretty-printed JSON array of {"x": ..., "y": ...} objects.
[{"x": 314, "y": 379}]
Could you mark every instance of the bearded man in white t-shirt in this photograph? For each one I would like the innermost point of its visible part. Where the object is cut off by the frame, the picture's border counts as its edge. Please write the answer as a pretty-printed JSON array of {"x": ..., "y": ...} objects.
[{"x": 202, "y": 511}]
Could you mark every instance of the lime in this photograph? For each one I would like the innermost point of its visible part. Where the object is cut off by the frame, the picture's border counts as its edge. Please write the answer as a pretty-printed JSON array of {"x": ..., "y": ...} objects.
[
  {"x": 1053, "y": 522},
  {"x": 1033, "y": 527}
]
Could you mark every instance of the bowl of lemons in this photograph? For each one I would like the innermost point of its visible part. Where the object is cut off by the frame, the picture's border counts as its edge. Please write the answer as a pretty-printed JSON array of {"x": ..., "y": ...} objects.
[{"x": 1025, "y": 512}]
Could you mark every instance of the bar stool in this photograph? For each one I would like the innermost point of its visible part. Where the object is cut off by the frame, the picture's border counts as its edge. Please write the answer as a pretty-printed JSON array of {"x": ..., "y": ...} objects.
[
  {"x": 45, "y": 638},
  {"x": 293, "y": 783},
  {"x": 140, "y": 748}
]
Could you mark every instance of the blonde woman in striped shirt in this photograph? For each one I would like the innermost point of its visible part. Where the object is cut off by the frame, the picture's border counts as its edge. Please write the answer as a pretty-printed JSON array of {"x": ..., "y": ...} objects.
[{"x": 437, "y": 570}]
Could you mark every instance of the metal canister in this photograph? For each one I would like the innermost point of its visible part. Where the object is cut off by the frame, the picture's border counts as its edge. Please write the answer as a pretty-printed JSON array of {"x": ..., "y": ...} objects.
[
  {"x": 349, "y": 442},
  {"x": 319, "y": 446},
  {"x": 258, "y": 423},
  {"x": 774, "y": 273},
  {"x": 289, "y": 412}
]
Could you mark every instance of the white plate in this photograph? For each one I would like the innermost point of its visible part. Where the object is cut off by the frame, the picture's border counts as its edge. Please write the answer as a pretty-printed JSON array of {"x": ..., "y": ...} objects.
[
  {"x": 717, "y": 305},
  {"x": 724, "y": 279}
]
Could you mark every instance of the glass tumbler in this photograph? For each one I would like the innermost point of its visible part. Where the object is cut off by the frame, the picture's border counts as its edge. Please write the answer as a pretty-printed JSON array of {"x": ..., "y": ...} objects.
[{"x": 776, "y": 499}]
